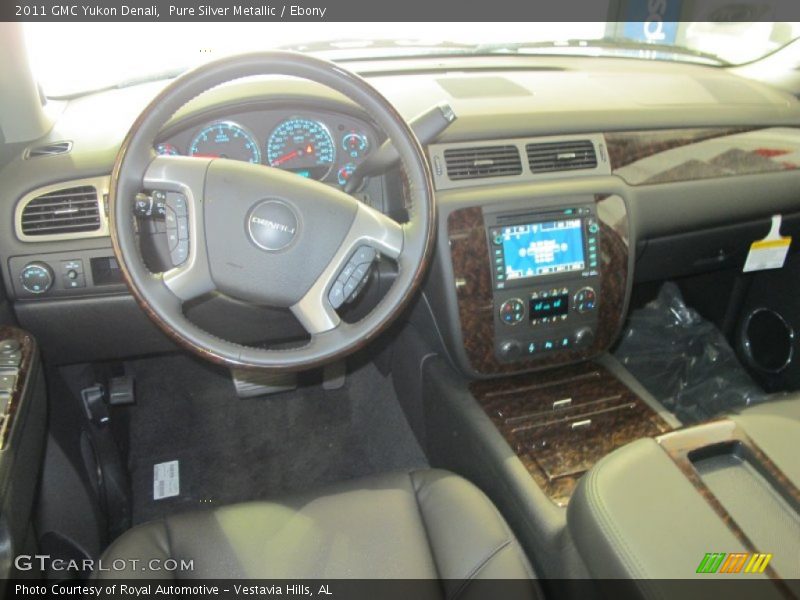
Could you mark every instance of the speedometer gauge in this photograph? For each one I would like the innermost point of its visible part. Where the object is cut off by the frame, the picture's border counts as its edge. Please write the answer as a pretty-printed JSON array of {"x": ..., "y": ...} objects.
[
  {"x": 225, "y": 139},
  {"x": 302, "y": 146}
]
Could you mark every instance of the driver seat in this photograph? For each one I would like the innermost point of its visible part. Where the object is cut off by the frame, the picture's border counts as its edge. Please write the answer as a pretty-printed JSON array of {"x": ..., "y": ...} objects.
[{"x": 424, "y": 524}]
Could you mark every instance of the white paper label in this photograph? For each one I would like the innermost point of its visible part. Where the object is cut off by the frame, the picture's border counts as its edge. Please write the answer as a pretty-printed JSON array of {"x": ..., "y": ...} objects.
[
  {"x": 769, "y": 253},
  {"x": 166, "y": 480}
]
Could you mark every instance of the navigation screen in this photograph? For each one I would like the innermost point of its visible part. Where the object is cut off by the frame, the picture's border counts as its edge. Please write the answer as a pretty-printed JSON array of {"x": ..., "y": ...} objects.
[{"x": 542, "y": 248}]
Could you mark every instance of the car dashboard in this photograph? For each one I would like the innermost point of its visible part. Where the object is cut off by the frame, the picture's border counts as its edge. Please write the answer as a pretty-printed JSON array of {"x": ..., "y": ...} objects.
[{"x": 655, "y": 164}]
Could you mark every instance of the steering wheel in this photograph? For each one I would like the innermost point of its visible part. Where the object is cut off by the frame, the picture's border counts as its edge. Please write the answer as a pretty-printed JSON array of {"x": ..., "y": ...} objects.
[{"x": 263, "y": 235}]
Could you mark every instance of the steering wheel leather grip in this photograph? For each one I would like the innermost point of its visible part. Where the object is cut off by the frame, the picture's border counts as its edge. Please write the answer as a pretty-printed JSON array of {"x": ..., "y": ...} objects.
[{"x": 267, "y": 236}]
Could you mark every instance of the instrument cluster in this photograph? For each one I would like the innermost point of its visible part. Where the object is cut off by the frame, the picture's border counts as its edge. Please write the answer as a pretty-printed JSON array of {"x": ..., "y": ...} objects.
[{"x": 319, "y": 145}]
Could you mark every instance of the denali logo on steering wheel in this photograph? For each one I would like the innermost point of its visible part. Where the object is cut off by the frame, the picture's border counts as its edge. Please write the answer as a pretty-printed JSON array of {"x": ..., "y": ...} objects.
[{"x": 272, "y": 225}]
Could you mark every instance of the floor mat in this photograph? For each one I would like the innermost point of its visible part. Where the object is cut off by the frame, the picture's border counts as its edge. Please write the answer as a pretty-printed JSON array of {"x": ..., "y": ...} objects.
[
  {"x": 684, "y": 360},
  {"x": 232, "y": 449}
]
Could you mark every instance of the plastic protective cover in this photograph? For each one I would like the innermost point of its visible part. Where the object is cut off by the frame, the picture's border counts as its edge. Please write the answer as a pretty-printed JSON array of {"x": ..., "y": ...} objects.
[{"x": 684, "y": 360}]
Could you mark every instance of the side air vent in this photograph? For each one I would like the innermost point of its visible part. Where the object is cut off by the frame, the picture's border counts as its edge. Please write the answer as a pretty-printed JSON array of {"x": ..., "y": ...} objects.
[
  {"x": 48, "y": 150},
  {"x": 481, "y": 162},
  {"x": 64, "y": 211},
  {"x": 561, "y": 156}
]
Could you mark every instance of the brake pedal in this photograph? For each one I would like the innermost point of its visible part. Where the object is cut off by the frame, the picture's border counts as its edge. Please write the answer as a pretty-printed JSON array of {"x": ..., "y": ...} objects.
[{"x": 120, "y": 391}]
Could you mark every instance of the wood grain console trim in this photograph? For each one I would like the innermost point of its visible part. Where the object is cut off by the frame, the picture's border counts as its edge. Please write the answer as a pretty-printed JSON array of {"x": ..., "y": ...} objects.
[
  {"x": 672, "y": 155},
  {"x": 561, "y": 421},
  {"x": 28, "y": 351}
]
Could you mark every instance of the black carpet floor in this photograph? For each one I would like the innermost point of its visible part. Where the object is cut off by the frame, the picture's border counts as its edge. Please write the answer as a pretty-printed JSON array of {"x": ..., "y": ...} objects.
[{"x": 233, "y": 449}]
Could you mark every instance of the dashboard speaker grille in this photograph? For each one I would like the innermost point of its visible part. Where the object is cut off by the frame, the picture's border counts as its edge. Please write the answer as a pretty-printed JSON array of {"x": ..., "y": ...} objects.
[
  {"x": 561, "y": 156},
  {"x": 483, "y": 161},
  {"x": 71, "y": 210}
]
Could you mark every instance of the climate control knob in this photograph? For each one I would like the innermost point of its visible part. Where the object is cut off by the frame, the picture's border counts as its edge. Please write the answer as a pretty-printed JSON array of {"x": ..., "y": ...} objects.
[
  {"x": 510, "y": 349},
  {"x": 583, "y": 337},
  {"x": 512, "y": 311},
  {"x": 585, "y": 300},
  {"x": 36, "y": 277}
]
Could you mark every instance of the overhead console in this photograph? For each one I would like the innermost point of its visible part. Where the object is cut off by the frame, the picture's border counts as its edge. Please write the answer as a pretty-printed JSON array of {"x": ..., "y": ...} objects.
[{"x": 539, "y": 283}]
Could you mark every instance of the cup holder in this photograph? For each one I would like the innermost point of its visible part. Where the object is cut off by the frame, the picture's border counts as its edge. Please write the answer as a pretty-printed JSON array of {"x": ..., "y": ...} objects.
[{"x": 767, "y": 341}]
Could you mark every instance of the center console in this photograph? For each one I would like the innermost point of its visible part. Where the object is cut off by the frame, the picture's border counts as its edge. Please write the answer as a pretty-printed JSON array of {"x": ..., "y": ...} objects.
[
  {"x": 538, "y": 283},
  {"x": 724, "y": 494},
  {"x": 546, "y": 279}
]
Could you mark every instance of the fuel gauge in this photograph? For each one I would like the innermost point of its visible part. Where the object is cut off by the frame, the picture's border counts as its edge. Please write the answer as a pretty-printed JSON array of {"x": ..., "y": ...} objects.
[{"x": 355, "y": 144}]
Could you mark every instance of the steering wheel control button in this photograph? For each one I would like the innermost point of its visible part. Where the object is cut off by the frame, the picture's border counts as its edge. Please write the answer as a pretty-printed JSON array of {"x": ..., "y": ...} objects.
[
  {"x": 350, "y": 287},
  {"x": 36, "y": 278},
  {"x": 512, "y": 311},
  {"x": 177, "y": 202},
  {"x": 183, "y": 228},
  {"x": 172, "y": 239},
  {"x": 336, "y": 295},
  {"x": 272, "y": 225},
  {"x": 180, "y": 253},
  {"x": 176, "y": 221},
  {"x": 352, "y": 277}
]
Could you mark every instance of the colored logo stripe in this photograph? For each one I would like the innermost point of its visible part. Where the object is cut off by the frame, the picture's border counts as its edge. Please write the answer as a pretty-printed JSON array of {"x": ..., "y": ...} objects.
[
  {"x": 711, "y": 562},
  {"x": 758, "y": 563},
  {"x": 722, "y": 562},
  {"x": 734, "y": 562}
]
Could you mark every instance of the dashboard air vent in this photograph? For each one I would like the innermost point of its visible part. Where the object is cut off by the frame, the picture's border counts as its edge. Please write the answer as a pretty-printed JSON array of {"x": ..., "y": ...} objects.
[
  {"x": 567, "y": 155},
  {"x": 65, "y": 211},
  {"x": 49, "y": 149},
  {"x": 484, "y": 161}
]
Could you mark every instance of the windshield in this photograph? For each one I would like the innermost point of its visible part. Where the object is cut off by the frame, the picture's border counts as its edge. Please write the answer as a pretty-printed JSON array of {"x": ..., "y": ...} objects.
[{"x": 117, "y": 54}]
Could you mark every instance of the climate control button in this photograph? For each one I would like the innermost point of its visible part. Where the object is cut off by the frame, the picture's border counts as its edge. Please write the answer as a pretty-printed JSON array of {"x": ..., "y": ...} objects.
[
  {"x": 510, "y": 349},
  {"x": 585, "y": 300},
  {"x": 512, "y": 311},
  {"x": 584, "y": 337}
]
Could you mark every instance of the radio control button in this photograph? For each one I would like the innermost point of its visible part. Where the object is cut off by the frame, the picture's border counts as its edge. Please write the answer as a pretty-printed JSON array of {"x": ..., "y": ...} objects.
[{"x": 512, "y": 311}]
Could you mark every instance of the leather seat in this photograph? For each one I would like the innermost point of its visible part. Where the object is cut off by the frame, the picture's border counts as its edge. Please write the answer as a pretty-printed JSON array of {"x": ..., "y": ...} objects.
[
  {"x": 636, "y": 515},
  {"x": 423, "y": 524}
]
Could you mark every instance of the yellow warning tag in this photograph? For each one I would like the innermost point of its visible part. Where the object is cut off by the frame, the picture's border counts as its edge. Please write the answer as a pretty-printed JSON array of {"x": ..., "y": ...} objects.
[{"x": 769, "y": 253}]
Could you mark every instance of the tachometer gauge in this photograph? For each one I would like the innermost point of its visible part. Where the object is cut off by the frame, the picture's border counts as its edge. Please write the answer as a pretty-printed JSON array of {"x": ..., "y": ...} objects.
[
  {"x": 302, "y": 146},
  {"x": 167, "y": 150},
  {"x": 225, "y": 139},
  {"x": 355, "y": 144}
]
